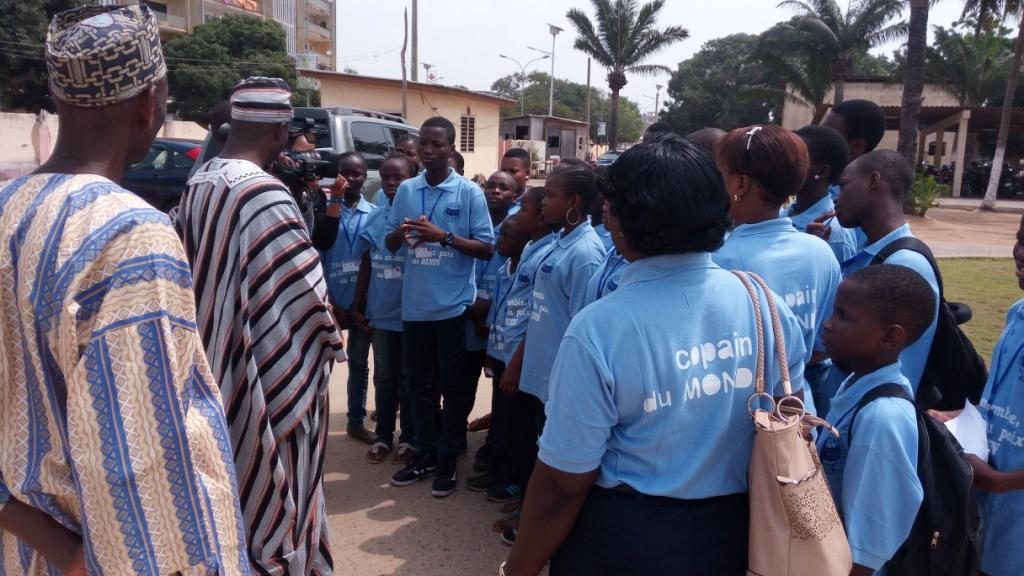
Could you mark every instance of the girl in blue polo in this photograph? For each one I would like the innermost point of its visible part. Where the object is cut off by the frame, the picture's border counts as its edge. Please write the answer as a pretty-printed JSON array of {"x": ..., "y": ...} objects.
[
  {"x": 606, "y": 278},
  {"x": 762, "y": 167},
  {"x": 643, "y": 461}
]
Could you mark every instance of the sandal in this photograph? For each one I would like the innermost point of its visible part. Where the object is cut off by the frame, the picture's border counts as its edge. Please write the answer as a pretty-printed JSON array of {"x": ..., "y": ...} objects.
[
  {"x": 480, "y": 424},
  {"x": 377, "y": 453},
  {"x": 404, "y": 455}
]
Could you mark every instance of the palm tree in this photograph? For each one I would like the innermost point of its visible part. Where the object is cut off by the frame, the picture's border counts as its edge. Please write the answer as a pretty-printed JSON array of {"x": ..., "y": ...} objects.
[
  {"x": 913, "y": 79},
  {"x": 791, "y": 58},
  {"x": 621, "y": 38},
  {"x": 969, "y": 67},
  {"x": 988, "y": 11},
  {"x": 865, "y": 25}
]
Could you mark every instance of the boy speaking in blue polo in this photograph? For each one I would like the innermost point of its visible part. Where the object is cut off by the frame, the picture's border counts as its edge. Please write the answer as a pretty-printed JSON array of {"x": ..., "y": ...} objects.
[{"x": 444, "y": 222}]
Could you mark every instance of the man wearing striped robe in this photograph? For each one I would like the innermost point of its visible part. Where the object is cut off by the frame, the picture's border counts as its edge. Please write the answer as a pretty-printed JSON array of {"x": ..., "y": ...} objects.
[{"x": 268, "y": 331}]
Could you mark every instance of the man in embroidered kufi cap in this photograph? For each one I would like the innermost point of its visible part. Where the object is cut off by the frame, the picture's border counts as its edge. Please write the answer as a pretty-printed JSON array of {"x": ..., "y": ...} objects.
[
  {"x": 268, "y": 330},
  {"x": 115, "y": 456}
]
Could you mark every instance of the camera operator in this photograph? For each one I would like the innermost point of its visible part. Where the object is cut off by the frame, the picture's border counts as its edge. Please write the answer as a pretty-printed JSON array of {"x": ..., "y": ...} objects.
[{"x": 301, "y": 169}]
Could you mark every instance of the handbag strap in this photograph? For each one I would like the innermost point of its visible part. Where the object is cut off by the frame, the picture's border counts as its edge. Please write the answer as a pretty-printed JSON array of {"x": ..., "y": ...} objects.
[
  {"x": 759, "y": 329},
  {"x": 777, "y": 336}
]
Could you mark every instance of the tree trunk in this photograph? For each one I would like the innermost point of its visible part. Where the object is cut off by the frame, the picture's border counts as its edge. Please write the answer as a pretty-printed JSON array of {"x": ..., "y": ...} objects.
[
  {"x": 913, "y": 80},
  {"x": 989, "y": 203},
  {"x": 613, "y": 122}
]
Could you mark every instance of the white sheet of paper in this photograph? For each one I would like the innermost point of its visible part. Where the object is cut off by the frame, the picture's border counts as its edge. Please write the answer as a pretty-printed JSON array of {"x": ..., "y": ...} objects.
[{"x": 971, "y": 431}]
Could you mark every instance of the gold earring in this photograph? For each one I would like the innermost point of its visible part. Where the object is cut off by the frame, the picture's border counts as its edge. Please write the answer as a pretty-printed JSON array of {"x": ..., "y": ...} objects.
[
  {"x": 569, "y": 220},
  {"x": 735, "y": 198}
]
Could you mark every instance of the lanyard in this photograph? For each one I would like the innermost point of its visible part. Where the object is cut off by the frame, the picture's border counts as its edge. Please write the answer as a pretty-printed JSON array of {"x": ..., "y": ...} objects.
[
  {"x": 359, "y": 222},
  {"x": 606, "y": 277},
  {"x": 423, "y": 203}
]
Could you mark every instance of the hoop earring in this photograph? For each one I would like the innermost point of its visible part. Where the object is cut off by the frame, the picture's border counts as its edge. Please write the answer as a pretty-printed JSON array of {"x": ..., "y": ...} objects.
[
  {"x": 573, "y": 222},
  {"x": 735, "y": 198}
]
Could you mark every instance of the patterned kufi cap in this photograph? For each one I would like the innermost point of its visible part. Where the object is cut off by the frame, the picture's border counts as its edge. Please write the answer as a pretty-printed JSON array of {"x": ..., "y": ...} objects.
[
  {"x": 259, "y": 99},
  {"x": 101, "y": 55}
]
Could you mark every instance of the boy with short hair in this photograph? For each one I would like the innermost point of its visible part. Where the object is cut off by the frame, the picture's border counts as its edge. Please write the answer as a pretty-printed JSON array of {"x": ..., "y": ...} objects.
[
  {"x": 341, "y": 267},
  {"x": 443, "y": 220},
  {"x": 879, "y": 311},
  {"x": 874, "y": 186},
  {"x": 517, "y": 162}
]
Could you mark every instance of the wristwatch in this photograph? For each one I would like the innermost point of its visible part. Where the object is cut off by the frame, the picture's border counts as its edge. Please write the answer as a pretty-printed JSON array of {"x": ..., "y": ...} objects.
[{"x": 448, "y": 239}]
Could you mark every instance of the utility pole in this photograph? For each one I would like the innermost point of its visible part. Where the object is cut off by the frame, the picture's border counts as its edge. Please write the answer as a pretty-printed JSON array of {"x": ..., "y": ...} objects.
[
  {"x": 657, "y": 97},
  {"x": 405, "y": 43},
  {"x": 415, "y": 42},
  {"x": 587, "y": 112}
]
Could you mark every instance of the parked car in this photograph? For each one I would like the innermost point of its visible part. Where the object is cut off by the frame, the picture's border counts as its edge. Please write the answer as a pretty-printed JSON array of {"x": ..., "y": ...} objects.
[
  {"x": 608, "y": 158},
  {"x": 161, "y": 177}
]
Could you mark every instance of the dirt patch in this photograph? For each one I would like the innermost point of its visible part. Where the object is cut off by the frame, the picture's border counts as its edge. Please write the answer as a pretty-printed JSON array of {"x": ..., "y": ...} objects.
[{"x": 960, "y": 233}]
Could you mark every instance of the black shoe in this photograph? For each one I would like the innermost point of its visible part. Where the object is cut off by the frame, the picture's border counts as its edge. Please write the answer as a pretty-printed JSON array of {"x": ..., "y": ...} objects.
[
  {"x": 359, "y": 432},
  {"x": 482, "y": 458},
  {"x": 422, "y": 466},
  {"x": 445, "y": 482},
  {"x": 481, "y": 482},
  {"x": 502, "y": 493}
]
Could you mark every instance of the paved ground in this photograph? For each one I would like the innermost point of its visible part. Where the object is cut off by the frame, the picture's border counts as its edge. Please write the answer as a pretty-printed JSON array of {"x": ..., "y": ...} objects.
[
  {"x": 381, "y": 530},
  {"x": 377, "y": 529}
]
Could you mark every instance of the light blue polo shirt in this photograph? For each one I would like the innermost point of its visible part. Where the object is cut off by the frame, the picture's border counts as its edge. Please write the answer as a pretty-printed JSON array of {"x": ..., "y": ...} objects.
[
  {"x": 439, "y": 283},
  {"x": 873, "y": 470},
  {"x": 606, "y": 278},
  {"x": 1002, "y": 404},
  {"x": 842, "y": 241},
  {"x": 516, "y": 206},
  {"x": 486, "y": 286},
  {"x": 341, "y": 262},
  {"x": 605, "y": 236},
  {"x": 511, "y": 314},
  {"x": 651, "y": 382},
  {"x": 799, "y": 267},
  {"x": 384, "y": 296},
  {"x": 915, "y": 356},
  {"x": 559, "y": 292}
]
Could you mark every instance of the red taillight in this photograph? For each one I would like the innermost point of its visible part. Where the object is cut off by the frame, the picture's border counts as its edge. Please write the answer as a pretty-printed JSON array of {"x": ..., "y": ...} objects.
[{"x": 193, "y": 153}]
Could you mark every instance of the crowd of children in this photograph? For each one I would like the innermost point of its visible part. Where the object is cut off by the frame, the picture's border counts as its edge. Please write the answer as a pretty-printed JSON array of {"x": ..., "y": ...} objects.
[{"x": 600, "y": 309}]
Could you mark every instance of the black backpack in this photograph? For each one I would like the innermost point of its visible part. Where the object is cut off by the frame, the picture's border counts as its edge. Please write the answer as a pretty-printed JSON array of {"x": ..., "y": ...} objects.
[
  {"x": 955, "y": 372},
  {"x": 946, "y": 536}
]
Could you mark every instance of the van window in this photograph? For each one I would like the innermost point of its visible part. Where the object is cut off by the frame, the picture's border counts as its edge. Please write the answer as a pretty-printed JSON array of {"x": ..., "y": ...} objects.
[{"x": 373, "y": 141}]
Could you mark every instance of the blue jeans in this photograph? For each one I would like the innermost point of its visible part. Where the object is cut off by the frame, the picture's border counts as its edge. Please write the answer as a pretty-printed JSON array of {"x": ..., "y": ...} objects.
[
  {"x": 358, "y": 351},
  {"x": 390, "y": 387},
  {"x": 440, "y": 343}
]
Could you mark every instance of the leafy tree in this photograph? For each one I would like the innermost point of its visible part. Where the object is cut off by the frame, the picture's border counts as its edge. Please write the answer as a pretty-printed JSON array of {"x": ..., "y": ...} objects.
[
  {"x": 792, "y": 58},
  {"x": 206, "y": 64},
  {"x": 838, "y": 36},
  {"x": 621, "y": 38},
  {"x": 570, "y": 102},
  {"x": 721, "y": 86},
  {"x": 22, "y": 67}
]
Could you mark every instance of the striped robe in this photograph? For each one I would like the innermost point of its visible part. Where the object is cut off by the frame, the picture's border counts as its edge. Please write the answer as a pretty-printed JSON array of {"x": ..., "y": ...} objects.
[
  {"x": 271, "y": 340},
  {"x": 110, "y": 420}
]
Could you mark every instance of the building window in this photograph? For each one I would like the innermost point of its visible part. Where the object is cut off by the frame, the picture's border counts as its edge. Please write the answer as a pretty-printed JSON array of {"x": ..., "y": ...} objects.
[{"x": 467, "y": 134}]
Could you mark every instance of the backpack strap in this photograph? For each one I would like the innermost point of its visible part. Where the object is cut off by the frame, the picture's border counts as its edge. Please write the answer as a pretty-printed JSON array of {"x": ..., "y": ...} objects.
[
  {"x": 883, "y": 391},
  {"x": 914, "y": 245}
]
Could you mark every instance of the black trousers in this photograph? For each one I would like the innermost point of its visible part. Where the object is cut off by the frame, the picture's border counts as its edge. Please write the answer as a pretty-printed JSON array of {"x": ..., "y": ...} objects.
[
  {"x": 527, "y": 414},
  {"x": 440, "y": 345},
  {"x": 618, "y": 533}
]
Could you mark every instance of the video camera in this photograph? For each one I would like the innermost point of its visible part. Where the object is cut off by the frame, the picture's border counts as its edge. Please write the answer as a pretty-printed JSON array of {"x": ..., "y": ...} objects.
[{"x": 306, "y": 168}]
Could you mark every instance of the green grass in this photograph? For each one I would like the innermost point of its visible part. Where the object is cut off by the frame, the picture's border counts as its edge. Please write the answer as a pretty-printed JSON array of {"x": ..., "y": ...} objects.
[{"x": 990, "y": 287}]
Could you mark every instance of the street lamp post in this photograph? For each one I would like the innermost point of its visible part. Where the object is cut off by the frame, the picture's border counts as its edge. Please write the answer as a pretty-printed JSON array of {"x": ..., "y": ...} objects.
[
  {"x": 554, "y": 30},
  {"x": 522, "y": 79},
  {"x": 657, "y": 100}
]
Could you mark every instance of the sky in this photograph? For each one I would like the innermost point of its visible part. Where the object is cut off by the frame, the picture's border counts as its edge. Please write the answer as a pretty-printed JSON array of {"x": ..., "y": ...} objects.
[{"x": 463, "y": 38}]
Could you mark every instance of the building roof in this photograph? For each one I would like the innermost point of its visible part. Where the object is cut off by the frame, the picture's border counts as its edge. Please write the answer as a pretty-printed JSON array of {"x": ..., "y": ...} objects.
[
  {"x": 982, "y": 119},
  {"x": 397, "y": 83},
  {"x": 545, "y": 117}
]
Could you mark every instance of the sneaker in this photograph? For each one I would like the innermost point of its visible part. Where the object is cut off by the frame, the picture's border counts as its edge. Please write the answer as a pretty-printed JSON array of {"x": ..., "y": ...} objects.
[
  {"x": 445, "y": 482},
  {"x": 504, "y": 493},
  {"x": 422, "y": 466},
  {"x": 509, "y": 535},
  {"x": 480, "y": 482}
]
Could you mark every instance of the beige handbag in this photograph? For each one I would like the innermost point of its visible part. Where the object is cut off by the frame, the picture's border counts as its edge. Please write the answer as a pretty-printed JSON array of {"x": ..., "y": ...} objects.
[{"x": 795, "y": 529}]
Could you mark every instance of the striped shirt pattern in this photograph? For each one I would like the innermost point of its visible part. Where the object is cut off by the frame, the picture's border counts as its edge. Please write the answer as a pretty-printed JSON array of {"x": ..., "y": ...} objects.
[
  {"x": 272, "y": 341},
  {"x": 110, "y": 420}
]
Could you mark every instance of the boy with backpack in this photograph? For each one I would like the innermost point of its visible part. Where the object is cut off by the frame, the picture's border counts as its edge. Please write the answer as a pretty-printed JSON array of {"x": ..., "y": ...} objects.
[{"x": 872, "y": 466}]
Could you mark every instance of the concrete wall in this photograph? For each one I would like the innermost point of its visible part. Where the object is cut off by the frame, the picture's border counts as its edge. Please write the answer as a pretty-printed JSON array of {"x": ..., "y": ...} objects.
[
  {"x": 422, "y": 105},
  {"x": 26, "y": 140}
]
